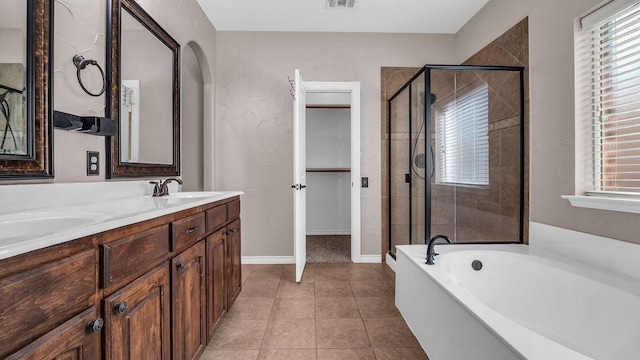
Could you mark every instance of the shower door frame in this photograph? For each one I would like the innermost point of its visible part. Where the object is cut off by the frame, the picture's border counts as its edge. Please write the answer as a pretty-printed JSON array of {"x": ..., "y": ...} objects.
[{"x": 426, "y": 70}]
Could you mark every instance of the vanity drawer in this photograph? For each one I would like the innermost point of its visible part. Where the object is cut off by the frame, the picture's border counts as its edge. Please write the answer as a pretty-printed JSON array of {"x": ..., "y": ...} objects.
[
  {"x": 34, "y": 302},
  {"x": 216, "y": 217},
  {"x": 132, "y": 256},
  {"x": 187, "y": 231},
  {"x": 233, "y": 209}
]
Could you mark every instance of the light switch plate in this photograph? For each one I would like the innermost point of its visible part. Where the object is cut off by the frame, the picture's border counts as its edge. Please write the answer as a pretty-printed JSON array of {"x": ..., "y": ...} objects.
[{"x": 93, "y": 163}]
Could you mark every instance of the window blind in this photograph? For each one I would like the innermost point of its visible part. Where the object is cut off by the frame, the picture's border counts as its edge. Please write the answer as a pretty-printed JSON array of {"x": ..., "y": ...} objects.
[
  {"x": 608, "y": 71},
  {"x": 462, "y": 139}
]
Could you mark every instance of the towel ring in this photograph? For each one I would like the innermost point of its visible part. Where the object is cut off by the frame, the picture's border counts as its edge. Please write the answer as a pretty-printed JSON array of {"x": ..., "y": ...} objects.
[{"x": 80, "y": 62}]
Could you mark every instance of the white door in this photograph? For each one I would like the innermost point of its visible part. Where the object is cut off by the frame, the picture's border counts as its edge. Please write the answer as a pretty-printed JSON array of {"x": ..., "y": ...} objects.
[{"x": 299, "y": 177}]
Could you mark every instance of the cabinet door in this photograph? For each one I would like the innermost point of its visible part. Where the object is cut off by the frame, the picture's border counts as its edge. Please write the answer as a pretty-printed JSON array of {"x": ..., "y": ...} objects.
[
  {"x": 234, "y": 266},
  {"x": 216, "y": 282},
  {"x": 35, "y": 301},
  {"x": 77, "y": 338},
  {"x": 137, "y": 318},
  {"x": 189, "y": 303}
]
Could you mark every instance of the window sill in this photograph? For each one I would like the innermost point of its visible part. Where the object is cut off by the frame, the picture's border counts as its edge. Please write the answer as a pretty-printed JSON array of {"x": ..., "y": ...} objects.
[{"x": 605, "y": 203}]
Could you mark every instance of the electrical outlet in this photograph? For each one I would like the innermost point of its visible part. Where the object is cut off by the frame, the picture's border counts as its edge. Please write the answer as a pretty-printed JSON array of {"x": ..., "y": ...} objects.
[
  {"x": 93, "y": 163},
  {"x": 365, "y": 182}
]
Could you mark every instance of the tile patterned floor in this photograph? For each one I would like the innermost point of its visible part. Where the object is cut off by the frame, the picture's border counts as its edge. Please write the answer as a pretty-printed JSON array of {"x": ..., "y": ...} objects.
[{"x": 338, "y": 311}]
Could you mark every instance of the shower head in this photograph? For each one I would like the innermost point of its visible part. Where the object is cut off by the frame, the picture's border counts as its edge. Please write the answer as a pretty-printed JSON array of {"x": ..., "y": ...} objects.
[{"x": 432, "y": 98}]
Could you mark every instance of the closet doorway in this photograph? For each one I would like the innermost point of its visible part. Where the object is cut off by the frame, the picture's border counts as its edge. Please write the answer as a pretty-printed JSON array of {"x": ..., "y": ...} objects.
[
  {"x": 328, "y": 152},
  {"x": 326, "y": 169}
]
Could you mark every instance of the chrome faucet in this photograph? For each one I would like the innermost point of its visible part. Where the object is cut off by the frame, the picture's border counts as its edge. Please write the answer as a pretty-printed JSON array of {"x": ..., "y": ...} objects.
[
  {"x": 161, "y": 188},
  {"x": 431, "y": 255}
]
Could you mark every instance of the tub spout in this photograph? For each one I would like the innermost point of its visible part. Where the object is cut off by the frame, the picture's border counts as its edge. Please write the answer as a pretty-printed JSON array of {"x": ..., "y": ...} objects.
[{"x": 431, "y": 255}]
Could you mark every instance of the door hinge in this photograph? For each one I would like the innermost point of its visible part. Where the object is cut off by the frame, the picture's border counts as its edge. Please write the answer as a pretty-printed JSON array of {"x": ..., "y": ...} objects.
[{"x": 298, "y": 186}]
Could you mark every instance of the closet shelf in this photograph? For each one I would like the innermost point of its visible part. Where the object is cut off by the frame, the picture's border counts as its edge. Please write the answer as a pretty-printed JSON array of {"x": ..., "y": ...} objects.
[{"x": 328, "y": 170}]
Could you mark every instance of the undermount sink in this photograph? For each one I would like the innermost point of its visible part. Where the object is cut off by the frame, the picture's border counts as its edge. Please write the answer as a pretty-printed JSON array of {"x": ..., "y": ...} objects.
[
  {"x": 44, "y": 223},
  {"x": 193, "y": 194}
]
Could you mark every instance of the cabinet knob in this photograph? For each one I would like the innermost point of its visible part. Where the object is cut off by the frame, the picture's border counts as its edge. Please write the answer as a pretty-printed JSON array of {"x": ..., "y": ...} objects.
[
  {"x": 181, "y": 265},
  {"x": 96, "y": 325},
  {"x": 120, "y": 308}
]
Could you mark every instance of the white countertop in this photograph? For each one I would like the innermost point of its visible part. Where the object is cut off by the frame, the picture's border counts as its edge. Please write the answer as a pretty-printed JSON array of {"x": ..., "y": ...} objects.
[{"x": 23, "y": 230}]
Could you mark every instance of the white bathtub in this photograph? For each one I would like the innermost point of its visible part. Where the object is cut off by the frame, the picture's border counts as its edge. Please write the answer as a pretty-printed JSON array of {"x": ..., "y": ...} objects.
[{"x": 520, "y": 305}]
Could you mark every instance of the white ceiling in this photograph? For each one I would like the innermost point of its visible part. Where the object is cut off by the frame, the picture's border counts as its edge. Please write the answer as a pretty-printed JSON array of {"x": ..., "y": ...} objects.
[{"x": 385, "y": 16}]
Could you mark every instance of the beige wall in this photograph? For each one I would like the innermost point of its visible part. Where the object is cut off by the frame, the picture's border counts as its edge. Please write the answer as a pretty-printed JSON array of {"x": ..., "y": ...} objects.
[
  {"x": 552, "y": 108},
  {"x": 254, "y": 139},
  {"x": 79, "y": 28}
]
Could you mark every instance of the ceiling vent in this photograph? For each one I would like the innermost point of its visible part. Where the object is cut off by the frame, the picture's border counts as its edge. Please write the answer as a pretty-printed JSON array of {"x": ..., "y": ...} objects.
[{"x": 341, "y": 4}]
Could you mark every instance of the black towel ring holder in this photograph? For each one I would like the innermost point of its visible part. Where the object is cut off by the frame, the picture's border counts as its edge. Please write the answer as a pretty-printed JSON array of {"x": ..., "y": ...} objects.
[{"x": 80, "y": 62}]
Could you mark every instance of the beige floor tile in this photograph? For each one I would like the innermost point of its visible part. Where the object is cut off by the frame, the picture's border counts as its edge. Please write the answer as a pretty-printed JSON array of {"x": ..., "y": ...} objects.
[
  {"x": 415, "y": 353},
  {"x": 295, "y": 290},
  {"x": 290, "y": 334},
  {"x": 341, "y": 334},
  {"x": 377, "y": 307},
  {"x": 391, "y": 285},
  {"x": 287, "y": 354},
  {"x": 266, "y": 288},
  {"x": 346, "y": 354},
  {"x": 246, "y": 271},
  {"x": 333, "y": 289},
  {"x": 251, "y": 308},
  {"x": 271, "y": 272},
  {"x": 294, "y": 308},
  {"x": 336, "y": 308},
  {"x": 370, "y": 288},
  {"x": 289, "y": 274},
  {"x": 392, "y": 332},
  {"x": 229, "y": 354},
  {"x": 331, "y": 274},
  {"x": 235, "y": 334},
  {"x": 363, "y": 274}
]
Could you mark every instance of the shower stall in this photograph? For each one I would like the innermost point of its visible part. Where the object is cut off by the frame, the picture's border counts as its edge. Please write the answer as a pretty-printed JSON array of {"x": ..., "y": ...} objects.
[{"x": 456, "y": 156}]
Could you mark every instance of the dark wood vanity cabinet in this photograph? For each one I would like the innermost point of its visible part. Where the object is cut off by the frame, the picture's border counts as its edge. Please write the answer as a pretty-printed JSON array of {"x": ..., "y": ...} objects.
[
  {"x": 234, "y": 267},
  {"x": 78, "y": 338},
  {"x": 157, "y": 289},
  {"x": 189, "y": 294},
  {"x": 216, "y": 280},
  {"x": 36, "y": 300},
  {"x": 137, "y": 318}
]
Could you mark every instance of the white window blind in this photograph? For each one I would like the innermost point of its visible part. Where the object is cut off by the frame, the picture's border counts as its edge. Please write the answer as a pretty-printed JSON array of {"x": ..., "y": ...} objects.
[
  {"x": 608, "y": 90},
  {"x": 462, "y": 139}
]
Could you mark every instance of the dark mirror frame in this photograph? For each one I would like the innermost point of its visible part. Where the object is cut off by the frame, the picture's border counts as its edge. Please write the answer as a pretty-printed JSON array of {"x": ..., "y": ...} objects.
[
  {"x": 117, "y": 167},
  {"x": 38, "y": 162}
]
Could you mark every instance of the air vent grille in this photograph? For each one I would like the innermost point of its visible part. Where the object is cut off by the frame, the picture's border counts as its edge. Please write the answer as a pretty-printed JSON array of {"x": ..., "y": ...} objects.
[{"x": 341, "y": 4}]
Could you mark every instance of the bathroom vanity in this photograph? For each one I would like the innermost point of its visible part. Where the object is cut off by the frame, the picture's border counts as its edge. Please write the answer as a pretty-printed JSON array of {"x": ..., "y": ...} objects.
[{"x": 151, "y": 278}]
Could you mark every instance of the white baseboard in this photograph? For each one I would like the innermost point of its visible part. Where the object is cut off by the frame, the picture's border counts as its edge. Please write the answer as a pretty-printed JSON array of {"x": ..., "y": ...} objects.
[
  {"x": 262, "y": 260},
  {"x": 370, "y": 259},
  {"x": 328, "y": 232},
  {"x": 391, "y": 262}
]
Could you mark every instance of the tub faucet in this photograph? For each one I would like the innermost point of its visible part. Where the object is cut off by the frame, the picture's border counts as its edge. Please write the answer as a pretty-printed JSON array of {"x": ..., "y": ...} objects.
[
  {"x": 161, "y": 188},
  {"x": 431, "y": 255}
]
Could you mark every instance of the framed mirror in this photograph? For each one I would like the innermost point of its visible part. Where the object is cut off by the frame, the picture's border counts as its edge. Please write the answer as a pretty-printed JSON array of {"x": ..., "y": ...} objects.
[
  {"x": 144, "y": 94},
  {"x": 26, "y": 130}
]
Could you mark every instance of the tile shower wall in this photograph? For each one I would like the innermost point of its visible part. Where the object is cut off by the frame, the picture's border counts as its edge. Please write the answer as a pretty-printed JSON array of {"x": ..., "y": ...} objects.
[
  {"x": 494, "y": 214},
  {"x": 392, "y": 79},
  {"x": 470, "y": 213}
]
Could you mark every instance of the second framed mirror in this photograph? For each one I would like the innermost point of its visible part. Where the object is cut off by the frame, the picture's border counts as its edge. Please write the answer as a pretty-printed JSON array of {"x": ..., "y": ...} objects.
[{"x": 144, "y": 94}]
